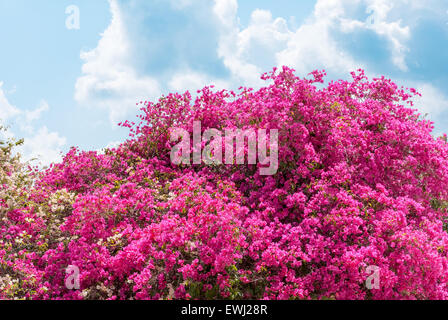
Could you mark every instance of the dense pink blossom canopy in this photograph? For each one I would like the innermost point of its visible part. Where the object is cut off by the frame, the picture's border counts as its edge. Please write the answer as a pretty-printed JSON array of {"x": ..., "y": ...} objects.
[{"x": 361, "y": 182}]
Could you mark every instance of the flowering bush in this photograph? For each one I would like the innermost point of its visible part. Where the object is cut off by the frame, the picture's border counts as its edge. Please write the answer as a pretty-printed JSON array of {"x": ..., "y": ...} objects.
[
  {"x": 16, "y": 179},
  {"x": 361, "y": 182}
]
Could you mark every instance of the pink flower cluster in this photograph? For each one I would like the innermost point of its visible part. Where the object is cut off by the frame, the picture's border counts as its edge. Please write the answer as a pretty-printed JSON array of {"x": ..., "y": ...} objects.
[{"x": 361, "y": 182}]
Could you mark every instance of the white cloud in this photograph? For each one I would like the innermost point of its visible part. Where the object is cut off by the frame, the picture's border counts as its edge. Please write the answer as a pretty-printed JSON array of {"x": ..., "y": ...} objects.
[
  {"x": 109, "y": 79},
  {"x": 226, "y": 11},
  {"x": 36, "y": 113},
  {"x": 7, "y": 110},
  {"x": 25, "y": 118},
  {"x": 229, "y": 48},
  {"x": 192, "y": 81},
  {"x": 312, "y": 46},
  {"x": 395, "y": 33},
  {"x": 44, "y": 146},
  {"x": 313, "y": 40},
  {"x": 29, "y": 116},
  {"x": 267, "y": 42},
  {"x": 181, "y": 4},
  {"x": 432, "y": 102},
  {"x": 342, "y": 16}
]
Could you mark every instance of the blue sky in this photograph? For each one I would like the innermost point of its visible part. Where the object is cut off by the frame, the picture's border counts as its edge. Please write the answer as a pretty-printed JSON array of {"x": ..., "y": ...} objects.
[{"x": 63, "y": 87}]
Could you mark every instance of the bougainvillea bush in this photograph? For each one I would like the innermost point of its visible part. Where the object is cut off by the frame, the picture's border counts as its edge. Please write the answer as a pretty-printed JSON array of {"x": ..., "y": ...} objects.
[{"x": 361, "y": 182}]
